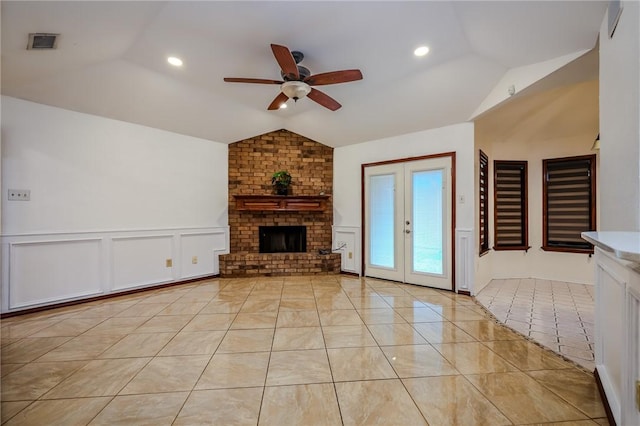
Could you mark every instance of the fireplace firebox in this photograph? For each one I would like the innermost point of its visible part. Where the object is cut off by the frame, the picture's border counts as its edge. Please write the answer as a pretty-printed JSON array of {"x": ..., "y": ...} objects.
[{"x": 283, "y": 239}]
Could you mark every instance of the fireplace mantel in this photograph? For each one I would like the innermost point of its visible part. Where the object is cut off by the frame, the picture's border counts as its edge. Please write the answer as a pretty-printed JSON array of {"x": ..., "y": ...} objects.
[{"x": 282, "y": 203}]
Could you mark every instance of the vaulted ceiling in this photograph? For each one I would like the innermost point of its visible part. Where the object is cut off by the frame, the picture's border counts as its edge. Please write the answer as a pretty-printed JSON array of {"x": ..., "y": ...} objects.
[{"x": 111, "y": 60}]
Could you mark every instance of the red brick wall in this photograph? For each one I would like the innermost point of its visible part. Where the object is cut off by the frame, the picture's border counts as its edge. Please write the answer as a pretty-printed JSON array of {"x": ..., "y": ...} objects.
[
  {"x": 278, "y": 264},
  {"x": 251, "y": 164}
]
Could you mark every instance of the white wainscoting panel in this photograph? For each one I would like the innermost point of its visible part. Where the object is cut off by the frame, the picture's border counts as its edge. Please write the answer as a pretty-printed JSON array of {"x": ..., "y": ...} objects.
[
  {"x": 199, "y": 253},
  {"x": 45, "y": 271},
  {"x": 141, "y": 260},
  {"x": 42, "y": 269},
  {"x": 465, "y": 256},
  {"x": 349, "y": 236}
]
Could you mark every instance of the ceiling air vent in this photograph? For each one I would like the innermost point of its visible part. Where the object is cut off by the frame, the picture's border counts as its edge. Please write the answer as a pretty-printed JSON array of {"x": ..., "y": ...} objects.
[{"x": 42, "y": 41}]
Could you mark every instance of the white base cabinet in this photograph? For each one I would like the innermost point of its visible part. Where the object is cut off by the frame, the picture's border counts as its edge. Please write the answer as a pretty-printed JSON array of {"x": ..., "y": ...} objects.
[{"x": 617, "y": 325}]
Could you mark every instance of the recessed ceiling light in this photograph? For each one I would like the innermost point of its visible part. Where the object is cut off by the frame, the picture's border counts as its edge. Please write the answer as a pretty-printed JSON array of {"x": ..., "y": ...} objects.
[
  {"x": 421, "y": 51},
  {"x": 176, "y": 62},
  {"x": 283, "y": 106}
]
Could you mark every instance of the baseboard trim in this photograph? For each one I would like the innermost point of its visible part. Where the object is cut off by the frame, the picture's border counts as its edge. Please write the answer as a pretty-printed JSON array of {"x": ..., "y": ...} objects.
[
  {"x": 353, "y": 274},
  {"x": 102, "y": 297},
  {"x": 603, "y": 396}
]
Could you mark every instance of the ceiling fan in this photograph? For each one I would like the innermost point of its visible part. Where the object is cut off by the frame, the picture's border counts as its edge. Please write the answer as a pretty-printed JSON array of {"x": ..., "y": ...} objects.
[{"x": 297, "y": 80}]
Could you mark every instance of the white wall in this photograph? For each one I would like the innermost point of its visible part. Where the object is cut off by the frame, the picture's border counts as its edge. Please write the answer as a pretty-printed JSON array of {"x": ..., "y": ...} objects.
[
  {"x": 617, "y": 295},
  {"x": 620, "y": 122},
  {"x": 537, "y": 263},
  {"x": 347, "y": 163},
  {"x": 553, "y": 124},
  {"x": 521, "y": 78},
  {"x": 110, "y": 201},
  {"x": 88, "y": 173}
]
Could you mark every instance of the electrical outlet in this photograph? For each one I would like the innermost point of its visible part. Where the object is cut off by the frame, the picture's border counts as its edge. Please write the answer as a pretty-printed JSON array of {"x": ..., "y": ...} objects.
[
  {"x": 169, "y": 263},
  {"x": 194, "y": 260},
  {"x": 350, "y": 255},
  {"x": 19, "y": 195}
]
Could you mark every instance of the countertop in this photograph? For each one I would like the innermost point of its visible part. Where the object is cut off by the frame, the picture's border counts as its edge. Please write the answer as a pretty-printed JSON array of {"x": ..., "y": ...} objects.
[{"x": 624, "y": 245}]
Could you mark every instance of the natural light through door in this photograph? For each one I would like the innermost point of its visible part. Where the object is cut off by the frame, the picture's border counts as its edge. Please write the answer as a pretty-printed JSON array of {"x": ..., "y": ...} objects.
[
  {"x": 408, "y": 222},
  {"x": 382, "y": 219},
  {"x": 427, "y": 222}
]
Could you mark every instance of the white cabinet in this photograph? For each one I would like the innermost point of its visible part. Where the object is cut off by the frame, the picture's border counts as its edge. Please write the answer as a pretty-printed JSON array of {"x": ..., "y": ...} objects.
[
  {"x": 618, "y": 333},
  {"x": 631, "y": 409}
]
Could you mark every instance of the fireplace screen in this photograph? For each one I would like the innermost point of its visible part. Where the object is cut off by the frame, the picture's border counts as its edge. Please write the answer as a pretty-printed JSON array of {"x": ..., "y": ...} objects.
[{"x": 283, "y": 239}]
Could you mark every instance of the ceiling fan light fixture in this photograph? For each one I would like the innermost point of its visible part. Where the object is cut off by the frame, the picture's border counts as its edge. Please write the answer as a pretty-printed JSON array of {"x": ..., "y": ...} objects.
[
  {"x": 297, "y": 80},
  {"x": 295, "y": 89},
  {"x": 283, "y": 105}
]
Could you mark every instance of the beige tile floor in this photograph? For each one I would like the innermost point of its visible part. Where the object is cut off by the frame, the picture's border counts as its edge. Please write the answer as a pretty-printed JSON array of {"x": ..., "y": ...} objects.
[
  {"x": 556, "y": 314},
  {"x": 326, "y": 350}
]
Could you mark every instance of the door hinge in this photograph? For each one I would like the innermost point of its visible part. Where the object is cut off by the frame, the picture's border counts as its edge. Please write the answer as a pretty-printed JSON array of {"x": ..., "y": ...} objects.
[{"x": 638, "y": 395}]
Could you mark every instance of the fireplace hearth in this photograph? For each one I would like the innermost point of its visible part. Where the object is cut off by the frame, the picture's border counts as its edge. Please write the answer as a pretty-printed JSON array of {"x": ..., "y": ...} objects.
[{"x": 282, "y": 239}]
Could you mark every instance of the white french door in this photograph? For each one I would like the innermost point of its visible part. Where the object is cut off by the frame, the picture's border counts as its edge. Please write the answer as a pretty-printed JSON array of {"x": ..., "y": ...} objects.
[{"x": 408, "y": 222}]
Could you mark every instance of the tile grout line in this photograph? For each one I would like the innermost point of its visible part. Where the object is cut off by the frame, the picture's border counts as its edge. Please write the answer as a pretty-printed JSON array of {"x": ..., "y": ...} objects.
[
  {"x": 195, "y": 383},
  {"x": 266, "y": 376},
  {"x": 326, "y": 350}
]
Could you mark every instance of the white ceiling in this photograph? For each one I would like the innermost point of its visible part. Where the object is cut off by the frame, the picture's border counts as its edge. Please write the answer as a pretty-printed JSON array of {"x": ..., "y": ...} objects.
[{"x": 111, "y": 60}]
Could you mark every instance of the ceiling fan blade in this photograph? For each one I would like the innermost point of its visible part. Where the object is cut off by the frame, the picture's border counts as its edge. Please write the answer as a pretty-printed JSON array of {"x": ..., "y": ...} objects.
[
  {"x": 285, "y": 60},
  {"x": 324, "y": 99},
  {"x": 279, "y": 100},
  {"x": 251, "y": 80},
  {"x": 333, "y": 77}
]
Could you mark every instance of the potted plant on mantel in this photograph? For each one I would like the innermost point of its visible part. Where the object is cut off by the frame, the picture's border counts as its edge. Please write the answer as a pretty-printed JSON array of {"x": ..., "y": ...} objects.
[{"x": 281, "y": 181}]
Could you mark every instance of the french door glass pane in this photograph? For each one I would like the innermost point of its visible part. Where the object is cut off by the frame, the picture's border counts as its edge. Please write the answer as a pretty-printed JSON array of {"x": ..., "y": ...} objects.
[
  {"x": 382, "y": 216},
  {"x": 427, "y": 222}
]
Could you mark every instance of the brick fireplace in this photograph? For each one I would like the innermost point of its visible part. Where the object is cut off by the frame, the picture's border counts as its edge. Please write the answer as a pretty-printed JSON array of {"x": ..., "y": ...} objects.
[{"x": 251, "y": 164}]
